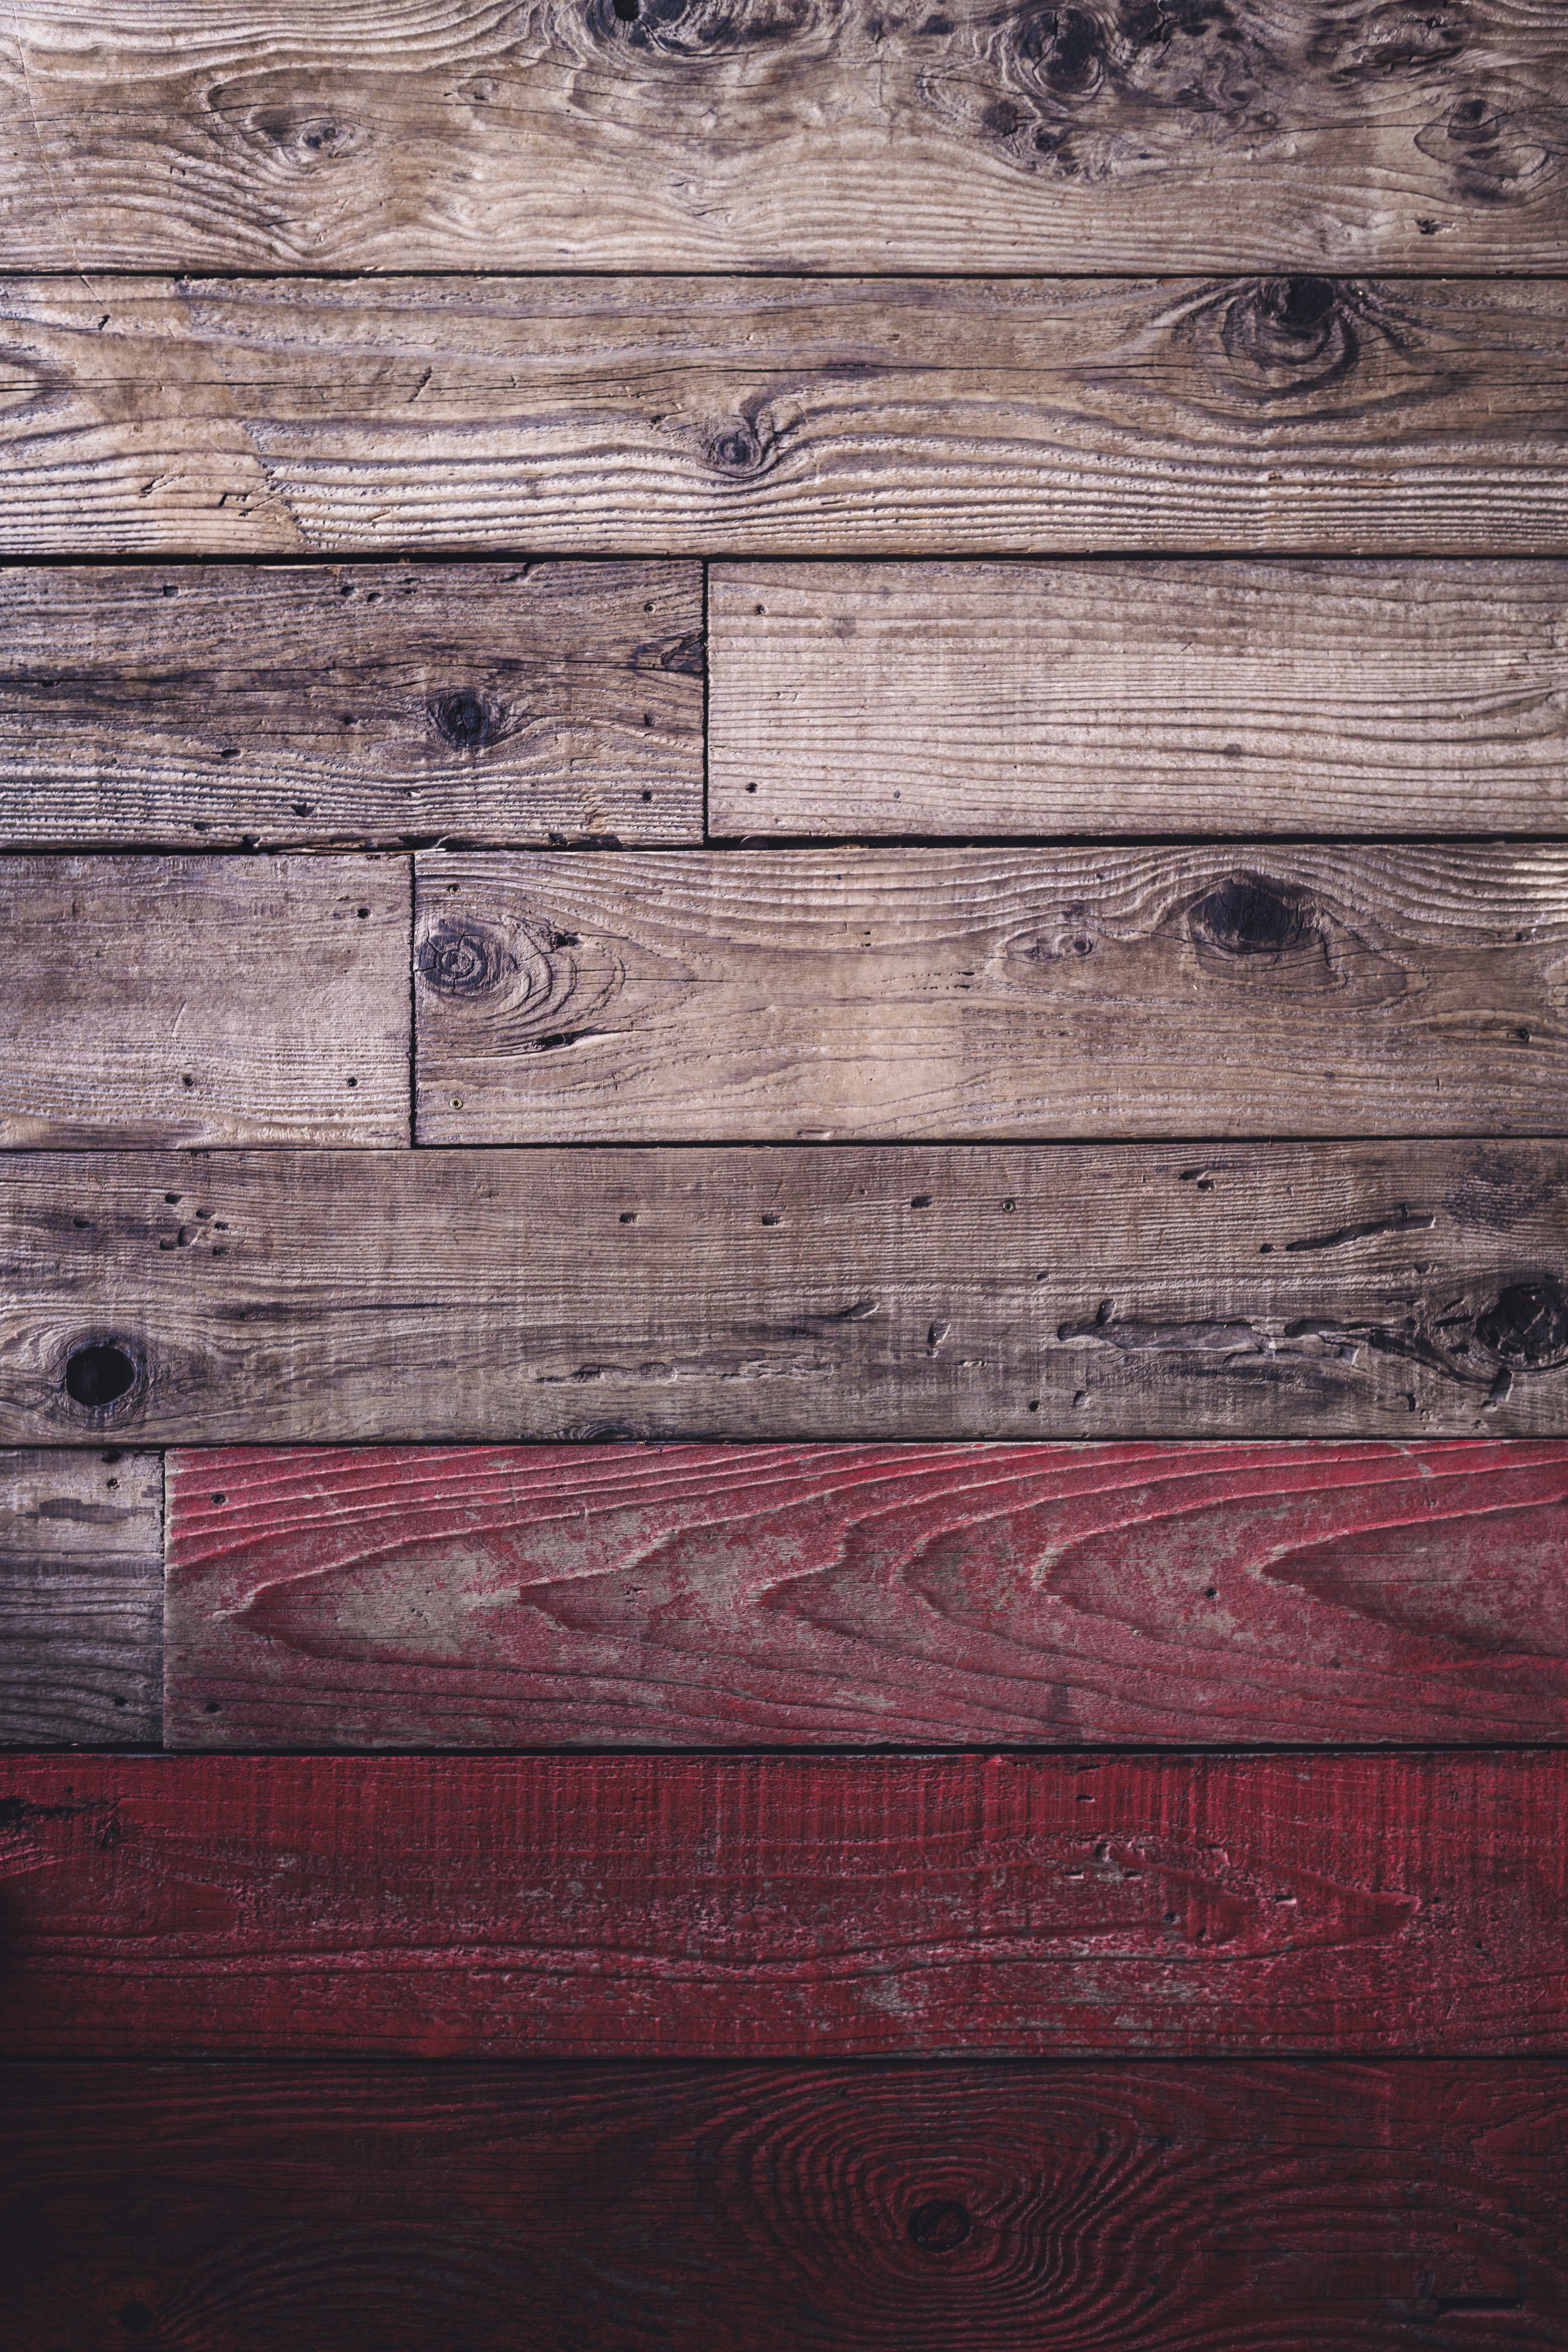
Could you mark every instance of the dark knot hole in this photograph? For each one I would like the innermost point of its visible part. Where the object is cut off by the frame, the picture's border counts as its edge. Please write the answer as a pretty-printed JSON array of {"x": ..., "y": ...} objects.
[
  {"x": 940, "y": 2226},
  {"x": 1248, "y": 916},
  {"x": 98, "y": 1374},
  {"x": 1299, "y": 304},
  {"x": 465, "y": 719},
  {"x": 135, "y": 2319}
]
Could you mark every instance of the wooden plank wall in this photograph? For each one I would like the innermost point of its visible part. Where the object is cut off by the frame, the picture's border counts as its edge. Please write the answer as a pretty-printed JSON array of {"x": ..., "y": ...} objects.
[{"x": 784, "y": 1178}]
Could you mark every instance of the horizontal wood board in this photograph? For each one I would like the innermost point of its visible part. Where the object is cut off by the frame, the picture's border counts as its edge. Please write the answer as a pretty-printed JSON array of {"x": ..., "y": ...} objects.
[
  {"x": 1162, "y": 2208},
  {"x": 745, "y": 416},
  {"x": 702, "y": 1596},
  {"x": 232, "y": 705},
  {"x": 774, "y": 1907},
  {"x": 1111, "y": 698},
  {"x": 82, "y": 1598},
  {"x": 826, "y": 134},
  {"x": 756, "y": 995},
  {"x": 175, "y": 1000},
  {"x": 1253, "y": 1290}
]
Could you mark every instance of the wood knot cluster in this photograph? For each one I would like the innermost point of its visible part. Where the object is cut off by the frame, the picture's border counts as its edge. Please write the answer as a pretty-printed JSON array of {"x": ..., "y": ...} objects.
[{"x": 699, "y": 30}]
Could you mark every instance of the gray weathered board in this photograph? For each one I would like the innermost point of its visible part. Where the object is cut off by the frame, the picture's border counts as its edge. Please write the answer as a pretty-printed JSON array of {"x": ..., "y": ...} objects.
[
  {"x": 746, "y": 417},
  {"x": 204, "y": 1000},
  {"x": 82, "y": 1598},
  {"x": 1123, "y": 698},
  {"x": 215, "y": 706},
  {"x": 853, "y": 995},
  {"x": 822, "y": 134},
  {"x": 852, "y": 1292}
]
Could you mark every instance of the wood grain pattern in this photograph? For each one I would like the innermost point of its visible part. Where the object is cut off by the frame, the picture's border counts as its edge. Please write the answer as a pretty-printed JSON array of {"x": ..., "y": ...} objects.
[
  {"x": 1160, "y": 2208},
  {"x": 197, "y": 1001},
  {"x": 82, "y": 1598},
  {"x": 1113, "y": 698},
  {"x": 758, "y": 995},
  {"x": 707, "y": 1596},
  {"x": 826, "y": 134},
  {"x": 238, "y": 704},
  {"x": 668, "y": 416},
  {"x": 777, "y": 1906},
  {"x": 1258, "y": 1290}
]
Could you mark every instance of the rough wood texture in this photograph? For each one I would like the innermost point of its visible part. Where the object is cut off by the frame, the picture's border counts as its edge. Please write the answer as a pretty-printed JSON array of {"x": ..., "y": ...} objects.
[
  {"x": 743, "y": 416},
  {"x": 760, "y": 995},
  {"x": 1261, "y": 1290},
  {"x": 777, "y": 1906},
  {"x": 81, "y": 1601},
  {"x": 194, "y": 1001},
  {"x": 1139, "y": 698},
  {"x": 702, "y": 1596},
  {"x": 824, "y": 134},
  {"x": 902, "y": 2208},
  {"x": 230, "y": 704}
]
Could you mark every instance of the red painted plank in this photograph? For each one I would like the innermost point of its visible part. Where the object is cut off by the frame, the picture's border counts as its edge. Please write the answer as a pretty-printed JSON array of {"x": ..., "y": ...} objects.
[
  {"x": 1023, "y": 2209},
  {"x": 698, "y": 1595},
  {"x": 780, "y": 1907}
]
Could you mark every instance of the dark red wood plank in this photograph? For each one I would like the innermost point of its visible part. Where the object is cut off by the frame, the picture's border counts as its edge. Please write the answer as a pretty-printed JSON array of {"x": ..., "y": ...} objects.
[
  {"x": 1026, "y": 2209},
  {"x": 713, "y": 1595},
  {"x": 772, "y": 1906}
]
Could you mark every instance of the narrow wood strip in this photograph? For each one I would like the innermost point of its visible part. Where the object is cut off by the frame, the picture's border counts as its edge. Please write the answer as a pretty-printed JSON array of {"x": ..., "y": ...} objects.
[
  {"x": 709, "y": 1596},
  {"x": 374, "y": 134},
  {"x": 230, "y": 705},
  {"x": 1139, "y": 698},
  {"x": 764, "y": 995},
  {"x": 774, "y": 1907},
  {"x": 1157, "y": 2208},
  {"x": 81, "y": 1600},
  {"x": 736, "y": 416},
  {"x": 1259, "y": 1290},
  {"x": 173, "y": 1001}
]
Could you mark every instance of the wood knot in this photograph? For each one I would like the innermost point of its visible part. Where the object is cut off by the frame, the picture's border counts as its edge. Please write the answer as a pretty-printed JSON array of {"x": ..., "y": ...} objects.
[
  {"x": 467, "y": 721},
  {"x": 1384, "y": 40},
  {"x": 1064, "y": 49},
  {"x": 305, "y": 141},
  {"x": 941, "y": 2225},
  {"x": 1527, "y": 1325},
  {"x": 1299, "y": 333},
  {"x": 1494, "y": 153},
  {"x": 100, "y": 1374},
  {"x": 1248, "y": 916},
  {"x": 698, "y": 29},
  {"x": 738, "y": 448},
  {"x": 465, "y": 958}
]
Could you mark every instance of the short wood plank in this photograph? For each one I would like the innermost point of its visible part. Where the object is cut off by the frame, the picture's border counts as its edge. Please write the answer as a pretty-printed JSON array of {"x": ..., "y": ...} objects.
[
  {"x": 857, "y": 996},
  {"x": 376, "y": 134},
  {"x": 1165, "y": 697},
  {"x": 659, "y": 415},
  {"x": 196, "y": 1001},
  {"x": 777, "y": 1906},
  {"x": 82, "y": 1603},
  {"x": 1262, "y": 1290},
  {"x": 1159, "y": 2208},
  {"x": 710, "y": 1596},
  {"x": 229, "y": 705}
]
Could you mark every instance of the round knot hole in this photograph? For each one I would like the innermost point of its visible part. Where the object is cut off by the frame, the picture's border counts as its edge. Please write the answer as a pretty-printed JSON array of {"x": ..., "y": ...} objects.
[
  {"x": 940, "y": 2226},
  {"x": 467, "y": 721},
  {"x": 1298, "y": 306},
  {"x": 98, "y": 1375}
]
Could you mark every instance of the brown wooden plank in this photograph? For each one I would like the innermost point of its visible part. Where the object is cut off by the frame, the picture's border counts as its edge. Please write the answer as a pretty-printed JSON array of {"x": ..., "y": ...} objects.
[
  {"x": 784, "y": 1906},
  {"x": 1158, "y": 2208},
  {"x": 737, "y": 415},
  {"x": 378, "y": 134},
  {"x": 186, "y": 705},
  {"x": 81, "y": 1601},
  {"x": 707, "y": 1596},
  {"x": 1116, "y": 697},
  {"x": 1259, "y": 1290},
  {"x": 181, "y": 1000},
  {"x": 856, "y": 995}
]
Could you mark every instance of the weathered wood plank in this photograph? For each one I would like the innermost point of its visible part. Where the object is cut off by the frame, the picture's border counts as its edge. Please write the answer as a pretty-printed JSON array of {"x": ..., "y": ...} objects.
[
  {"x": 824, "y": 135},
  {"x": 236, "y": 704},
  {"x": 779, "y": 1906},
  {"x": 197, "y": 1001},
  {"x": 699, "y": 416},
  {"x": 1159, "y": 2208},
  {"x": 81, "y": 1600},
  {"x": 852, "y": 994},
  {"x": 1117, "y": 697},
  {"x": 1259, "y": 1290},
  {"x": 701, "y": 1596}
]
